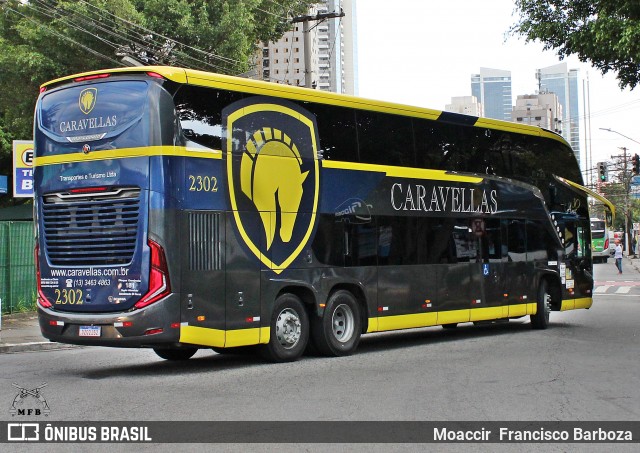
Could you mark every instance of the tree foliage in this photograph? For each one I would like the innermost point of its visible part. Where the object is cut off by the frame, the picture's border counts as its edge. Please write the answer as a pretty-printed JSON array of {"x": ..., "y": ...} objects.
[
  {"x": 605, "y": 33},
  {"x": 41, "y": 40}
]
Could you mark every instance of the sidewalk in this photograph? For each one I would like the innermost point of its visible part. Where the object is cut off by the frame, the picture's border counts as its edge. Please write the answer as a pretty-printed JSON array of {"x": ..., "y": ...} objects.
[{"x": 21, "y": 331}]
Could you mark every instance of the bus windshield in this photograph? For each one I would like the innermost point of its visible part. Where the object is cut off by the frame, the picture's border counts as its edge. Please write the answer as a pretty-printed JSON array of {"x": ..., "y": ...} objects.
[{"x": 106, "y": 115}]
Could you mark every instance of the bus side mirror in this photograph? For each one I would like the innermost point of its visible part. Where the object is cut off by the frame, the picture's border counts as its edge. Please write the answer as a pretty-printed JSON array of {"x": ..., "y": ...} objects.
[{"x": 608, "y": 217}]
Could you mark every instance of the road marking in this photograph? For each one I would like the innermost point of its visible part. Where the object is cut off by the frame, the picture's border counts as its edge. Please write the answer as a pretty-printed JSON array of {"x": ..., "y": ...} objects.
[
  {"x": 601, "y": 289},
  {"x": 623, "y": 289}
]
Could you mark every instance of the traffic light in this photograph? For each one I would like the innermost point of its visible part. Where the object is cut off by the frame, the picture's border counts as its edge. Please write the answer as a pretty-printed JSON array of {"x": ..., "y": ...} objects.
[
  {"x": 635, "y": 164},
  {"x": 602, "y": 171}
]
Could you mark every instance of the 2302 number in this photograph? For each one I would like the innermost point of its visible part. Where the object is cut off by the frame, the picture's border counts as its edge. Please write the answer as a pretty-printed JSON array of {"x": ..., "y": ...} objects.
[
  {"x": 203, "y": 183},
  {"x": 69, "y": 297}
]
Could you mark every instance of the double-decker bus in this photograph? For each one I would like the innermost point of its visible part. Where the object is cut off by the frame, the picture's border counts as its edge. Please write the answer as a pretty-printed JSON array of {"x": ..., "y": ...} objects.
[{"x": 179, "y": 210}]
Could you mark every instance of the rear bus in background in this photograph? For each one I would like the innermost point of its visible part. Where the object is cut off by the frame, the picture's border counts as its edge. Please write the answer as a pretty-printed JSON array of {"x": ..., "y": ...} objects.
[
  {"x": 599, "y": 240},
  {"x": 180, "y": 210}
]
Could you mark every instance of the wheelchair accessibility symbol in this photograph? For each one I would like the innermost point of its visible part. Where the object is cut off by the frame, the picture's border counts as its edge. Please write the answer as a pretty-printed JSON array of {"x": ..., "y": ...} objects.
[{"x": 485, "y": 269}]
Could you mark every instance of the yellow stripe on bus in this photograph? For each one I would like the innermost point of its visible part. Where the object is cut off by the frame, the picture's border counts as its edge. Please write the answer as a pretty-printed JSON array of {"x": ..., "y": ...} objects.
[
  {"x": 402, "y": 172},
  {"x": 574, "y": 304},
  {"x": 386, "y": 323},
  {"x": 125, "y": 153},
  {"x": 204, "y": 336}
]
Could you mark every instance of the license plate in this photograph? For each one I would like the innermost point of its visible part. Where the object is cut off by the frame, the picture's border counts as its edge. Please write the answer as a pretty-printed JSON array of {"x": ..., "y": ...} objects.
[{"x": 89, "y": 331}]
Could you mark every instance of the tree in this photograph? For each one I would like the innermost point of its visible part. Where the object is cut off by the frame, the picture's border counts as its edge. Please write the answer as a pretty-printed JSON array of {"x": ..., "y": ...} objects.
[
  {"x": 605, "y": 33},
  {"x": 41, "y": 40}
]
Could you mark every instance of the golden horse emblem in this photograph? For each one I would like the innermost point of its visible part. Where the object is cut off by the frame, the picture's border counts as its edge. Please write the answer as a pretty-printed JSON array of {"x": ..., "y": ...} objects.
[
  {"x": 273, "y": 178},
  {"x": 87, "y": 100}
]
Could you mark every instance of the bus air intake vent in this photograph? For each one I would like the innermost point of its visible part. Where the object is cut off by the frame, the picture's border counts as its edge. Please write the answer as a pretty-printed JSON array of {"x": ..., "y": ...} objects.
[
  {"x": 205, "y": 243},
  {"x": 91, "y": 229}
]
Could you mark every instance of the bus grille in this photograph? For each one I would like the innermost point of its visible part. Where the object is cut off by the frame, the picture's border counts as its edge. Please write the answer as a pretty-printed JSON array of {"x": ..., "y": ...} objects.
[
  {"x": 89, "y": 230},
  {"x": 205, "y": 243}
]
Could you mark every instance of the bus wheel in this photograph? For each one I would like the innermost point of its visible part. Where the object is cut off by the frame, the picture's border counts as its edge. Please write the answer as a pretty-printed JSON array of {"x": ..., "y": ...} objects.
[
  {"x": 541, "y": 319},
  {"x": 337, "y": 333},
  {"x": 289, "y": 330},
  {"x": 176, "y": 354}
]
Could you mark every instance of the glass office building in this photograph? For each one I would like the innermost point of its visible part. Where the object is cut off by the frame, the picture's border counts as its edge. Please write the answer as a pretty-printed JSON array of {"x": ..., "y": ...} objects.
[
  {"x": 492, "y": 88},
  {"x": 563, "y": 83}
]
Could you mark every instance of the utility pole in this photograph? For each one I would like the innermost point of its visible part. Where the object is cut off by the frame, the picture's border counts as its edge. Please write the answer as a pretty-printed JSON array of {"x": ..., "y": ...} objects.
[
  {"x": 308, "y": 82},
  {"x": 626, "y": 180}
]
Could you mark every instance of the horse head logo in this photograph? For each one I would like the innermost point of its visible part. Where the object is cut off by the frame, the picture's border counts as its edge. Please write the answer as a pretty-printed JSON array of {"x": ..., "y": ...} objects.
[
  {"x": 273, "y": 176},
  {"x": 87, "y": 100},
  {"x": 268, "y": 153}
]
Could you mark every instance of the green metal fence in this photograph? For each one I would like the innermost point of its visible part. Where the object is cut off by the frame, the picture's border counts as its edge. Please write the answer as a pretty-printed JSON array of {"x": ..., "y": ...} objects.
[{"x": 17, "y": 269}]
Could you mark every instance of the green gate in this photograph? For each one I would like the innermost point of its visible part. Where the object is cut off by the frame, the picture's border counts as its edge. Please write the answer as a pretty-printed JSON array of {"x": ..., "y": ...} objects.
[{"x": 17, "y": 269}]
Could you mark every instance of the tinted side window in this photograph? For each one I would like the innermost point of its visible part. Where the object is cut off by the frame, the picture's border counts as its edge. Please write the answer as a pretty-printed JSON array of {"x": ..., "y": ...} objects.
[
  {"x": 492, "y": 249},
  {"x": 200, "y": 113},
  {"x": 337, "y": 130},
  {"x": 517, "y": 242},
  {"x": 361, "y": 244},
  {"x": 385, "y": 139},
  {"x": 536, "y": 243},
  {"x": 442, "y": 146},
  {"x": 328, "y": 243},
  {"x": 397, "y": 240}
]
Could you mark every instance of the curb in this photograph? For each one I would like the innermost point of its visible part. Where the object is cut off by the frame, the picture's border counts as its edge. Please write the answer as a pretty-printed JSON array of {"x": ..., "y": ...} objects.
[{"x": 34, "y": 347}]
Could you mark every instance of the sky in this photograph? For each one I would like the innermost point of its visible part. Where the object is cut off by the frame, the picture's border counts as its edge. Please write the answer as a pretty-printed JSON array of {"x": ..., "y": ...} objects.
[{"x": 423, "y": 52}]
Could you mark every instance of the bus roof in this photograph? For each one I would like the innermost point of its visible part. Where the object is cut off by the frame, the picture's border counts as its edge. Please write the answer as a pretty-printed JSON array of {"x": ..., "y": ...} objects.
[{"x": 259, "y": 87}]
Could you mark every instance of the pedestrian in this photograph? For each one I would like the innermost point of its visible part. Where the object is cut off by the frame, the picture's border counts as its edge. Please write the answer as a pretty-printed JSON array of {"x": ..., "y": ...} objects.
[{"x": 618, "y": 256}]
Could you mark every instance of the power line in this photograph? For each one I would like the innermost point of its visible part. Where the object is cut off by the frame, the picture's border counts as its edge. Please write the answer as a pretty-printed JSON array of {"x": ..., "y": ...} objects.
[{"x": 62, "y": 36}]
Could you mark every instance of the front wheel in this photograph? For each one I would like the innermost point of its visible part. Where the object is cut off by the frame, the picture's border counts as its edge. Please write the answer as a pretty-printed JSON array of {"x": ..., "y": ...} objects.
[
  {"x": 289, "y": 330},
  {"x": 337, "y": 333},
  {"x": 175, "y": 354},
  {"x": 541, "y": 319}
]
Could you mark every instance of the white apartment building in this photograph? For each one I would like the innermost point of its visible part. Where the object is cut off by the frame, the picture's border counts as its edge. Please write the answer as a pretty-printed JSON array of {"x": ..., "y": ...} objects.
[
  {"x": 467, "y": 105},
  {"x": 542, "y": 110},
  {"x": 333, "y": 52}
]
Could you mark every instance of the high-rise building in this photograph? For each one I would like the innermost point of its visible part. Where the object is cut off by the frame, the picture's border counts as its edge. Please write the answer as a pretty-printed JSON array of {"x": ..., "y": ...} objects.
[
  {"x": 492, "y": 88},
  {"x": 564, "y": 83},
  {"x": 333, "y": 64}
]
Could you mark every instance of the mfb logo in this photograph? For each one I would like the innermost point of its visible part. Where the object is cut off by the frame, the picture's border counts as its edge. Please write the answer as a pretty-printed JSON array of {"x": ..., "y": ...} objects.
[
  {"x": 273, "y": 178},
  {"x": 29, "y": 395}
]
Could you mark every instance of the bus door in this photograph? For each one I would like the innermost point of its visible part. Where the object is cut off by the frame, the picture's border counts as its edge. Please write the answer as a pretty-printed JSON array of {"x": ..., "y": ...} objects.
[
  {"x": 458, "y": 282},
  {"x": 492, "y": 236},
  {"x": 517, "y": 271},
  {"x": 578, "y": 273}
]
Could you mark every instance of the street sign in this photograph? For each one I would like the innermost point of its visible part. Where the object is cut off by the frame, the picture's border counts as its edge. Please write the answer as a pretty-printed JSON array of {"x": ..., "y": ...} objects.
[{"x": 23, "y": 168}]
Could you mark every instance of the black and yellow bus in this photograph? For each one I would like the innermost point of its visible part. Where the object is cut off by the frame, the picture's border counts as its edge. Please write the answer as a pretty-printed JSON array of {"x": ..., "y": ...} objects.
[{"x": 179, "y": 210}]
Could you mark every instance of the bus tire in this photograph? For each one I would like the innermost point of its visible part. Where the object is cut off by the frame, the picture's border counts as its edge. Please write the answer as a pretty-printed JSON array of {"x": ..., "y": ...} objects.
[
  {"x": 541, "y": 319},
  {"x": 175, "y": 354},
  {"x": 289, "y": 330},
  {"x": 337, "y": 332}
]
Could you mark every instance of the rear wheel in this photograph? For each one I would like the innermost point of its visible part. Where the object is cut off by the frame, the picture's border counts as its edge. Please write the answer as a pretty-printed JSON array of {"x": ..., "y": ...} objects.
[
  {"x": 289, "y": 330},
  {"x": 541, "y": 319},
  {"x": 175, "y": 354},
  {"x": 337, "y": 333}
]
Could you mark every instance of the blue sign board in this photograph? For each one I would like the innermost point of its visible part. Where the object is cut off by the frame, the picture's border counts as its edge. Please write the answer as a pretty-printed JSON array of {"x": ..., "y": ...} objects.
[{"x": 4, "y": 188}]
